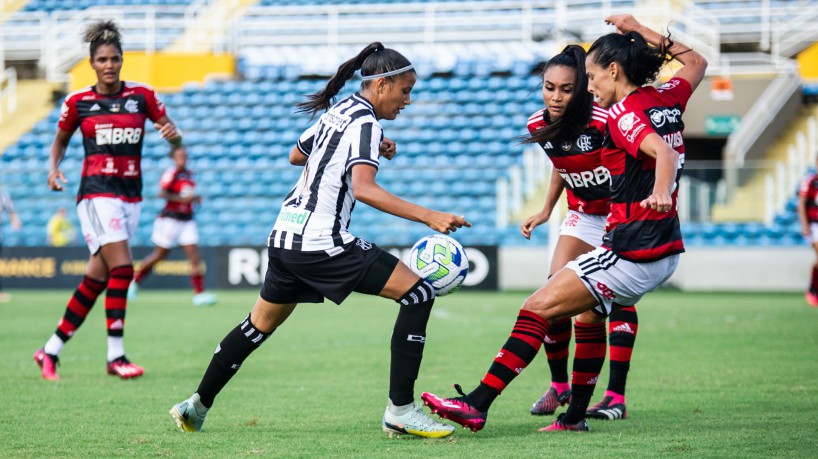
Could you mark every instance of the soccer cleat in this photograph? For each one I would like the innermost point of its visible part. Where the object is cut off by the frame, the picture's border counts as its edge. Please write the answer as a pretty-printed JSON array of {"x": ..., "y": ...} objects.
[
  {"x": 48, "y": 364},
  {"x": 559, "y": 425},
  {"x": 607, "y": 410},
  {"x": 133, "y": 291},
  {"x": 414, "y": 422},
  {"x": 123, "y": 368},
  {"x": 812, "y": 299},
  {"x": 550, "y": 401},
  {"x": 456, "y": 409},
  {"x": 187, "y": 417},
  {"x": 204, "y": 299}
]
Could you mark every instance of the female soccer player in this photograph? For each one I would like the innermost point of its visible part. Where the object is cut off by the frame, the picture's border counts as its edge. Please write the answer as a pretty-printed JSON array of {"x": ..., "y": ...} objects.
[
  {"x": 808, "y": 216},
  {"x": 644, "y": 154},
  {"x": 111, "y": 115},
  {"x": 571, "y": 129},
  {"x": 312, "y": 254},
  {"x": 175, "y": 225}
]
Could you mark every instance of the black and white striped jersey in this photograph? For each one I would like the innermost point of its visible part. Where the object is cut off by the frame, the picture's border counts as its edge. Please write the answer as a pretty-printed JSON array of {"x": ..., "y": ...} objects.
[{"x": 316, "y": 213}]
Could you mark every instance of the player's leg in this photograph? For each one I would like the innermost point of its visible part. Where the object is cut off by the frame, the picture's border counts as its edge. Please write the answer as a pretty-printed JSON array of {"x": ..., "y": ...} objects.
[
  {"x": 812, "y": 293},
  {"x": 563, "y": 296},
  {"x": 569, "y": 246},
  {"x": 79, "y": 305},
  {"x": 387, "y": 277},
  {"x": 201, "y": 297},
  {"x": 623, "y": 325}
]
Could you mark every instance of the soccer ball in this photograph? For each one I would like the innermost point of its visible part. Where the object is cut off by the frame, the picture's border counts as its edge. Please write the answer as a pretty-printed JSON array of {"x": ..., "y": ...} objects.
[{"x": 441, "y": 261}]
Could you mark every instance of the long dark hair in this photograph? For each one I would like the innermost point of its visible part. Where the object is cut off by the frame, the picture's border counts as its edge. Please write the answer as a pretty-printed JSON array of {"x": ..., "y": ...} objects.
[
  {"x": 102, "y": 33},
  {"x": 640, "y": 61},
  {"x": 578, "y": 112},
  {"x": 374, "y": 59}
]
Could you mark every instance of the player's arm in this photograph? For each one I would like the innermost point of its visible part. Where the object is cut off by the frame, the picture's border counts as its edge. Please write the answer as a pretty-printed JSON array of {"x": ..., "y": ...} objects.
[
  {"x": 802, "y": 213},
  {"x": 554, "y": 192},
  {"x": 56, "y": 179},
  {"x": 168, "y": 130},
  {"x": 667, "y": 162},
  {"x": 369, "y": 192},
  {"x": 694, "y": 63},
  {"x": 297, "y": 158}
]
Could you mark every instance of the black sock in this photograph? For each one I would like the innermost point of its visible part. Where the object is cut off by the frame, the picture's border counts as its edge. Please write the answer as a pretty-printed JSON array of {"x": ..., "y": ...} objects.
[
  {"x": 408, "y": 339},
  {"x": 482, "y": 397},
  {"x": 229, "y": 355}
]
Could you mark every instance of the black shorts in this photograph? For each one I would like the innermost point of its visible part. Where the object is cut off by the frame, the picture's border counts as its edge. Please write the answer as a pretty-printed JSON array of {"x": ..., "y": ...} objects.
[{"x": 309, "y": 277}]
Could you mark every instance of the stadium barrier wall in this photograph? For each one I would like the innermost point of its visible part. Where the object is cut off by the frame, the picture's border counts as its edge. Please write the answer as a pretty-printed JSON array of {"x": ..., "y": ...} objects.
[{"x": 224, "y": 267}]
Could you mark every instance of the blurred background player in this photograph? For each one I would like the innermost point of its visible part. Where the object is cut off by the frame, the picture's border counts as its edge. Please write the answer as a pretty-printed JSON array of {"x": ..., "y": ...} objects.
[
  {"x": 175, "y": 226},
  {"x": 312, "y": 254},
  {"x": 570, "y": 129},
  {"x": 643, "y": 243},
  {"x": 808, "y": 216},
  {"x": 7, "y": 207},
  {"x": 111, "y": 115},
  {"x": 59, "y": 230}
]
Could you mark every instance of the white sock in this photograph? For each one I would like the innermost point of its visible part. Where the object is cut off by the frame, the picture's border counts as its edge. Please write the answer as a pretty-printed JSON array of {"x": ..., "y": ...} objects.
[
  {"x": 197, "y": 404},
  {"x": 116, "y": 348},
  {"x": 54, "y": 345},
  {"x": 399, "y": 410}
]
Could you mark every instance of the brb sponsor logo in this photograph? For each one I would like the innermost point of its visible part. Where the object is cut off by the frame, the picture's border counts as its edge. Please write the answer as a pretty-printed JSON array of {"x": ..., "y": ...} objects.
[
  {"x": 585, "y": 179},
  {"x": 107, "y": 134}
]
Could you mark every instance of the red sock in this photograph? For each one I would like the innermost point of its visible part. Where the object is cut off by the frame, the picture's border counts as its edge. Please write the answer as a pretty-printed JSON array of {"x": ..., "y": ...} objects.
[
  {"x": 622, "y": 325},
  {"x": 79, "y": 306},
  {"x": 589, "y": 358},
  {"x": 198, "y": 283},
  {"x": 556, "y": 349},
  {"x": 116, "y": 299},
  {"x": 813, "y": 283},
  {"x": 142, "y": 274},
  {"x": 520, "y": 349}
]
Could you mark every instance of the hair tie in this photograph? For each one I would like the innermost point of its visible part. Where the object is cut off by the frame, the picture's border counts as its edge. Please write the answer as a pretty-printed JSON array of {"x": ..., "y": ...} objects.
[{"x": 387, "y": 74}]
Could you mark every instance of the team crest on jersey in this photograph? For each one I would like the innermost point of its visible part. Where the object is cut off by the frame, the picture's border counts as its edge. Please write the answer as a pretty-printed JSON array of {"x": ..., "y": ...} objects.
[
  {"x": 363, "y": 244},
  {"x": 132, "y": 106},
  {"x": 566, "y": 146},
  {"x": 114, "y": 108},
  {"x": 584, "y": 143}
]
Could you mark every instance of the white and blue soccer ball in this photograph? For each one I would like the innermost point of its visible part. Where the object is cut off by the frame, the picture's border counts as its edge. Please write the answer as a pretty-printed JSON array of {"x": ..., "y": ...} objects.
[{"x": 441, "y": 261}]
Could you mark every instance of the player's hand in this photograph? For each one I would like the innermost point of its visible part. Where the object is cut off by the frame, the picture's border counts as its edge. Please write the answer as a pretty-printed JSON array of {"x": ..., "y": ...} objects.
[
  {"x": 805, "y": 231},
  {"x": 624, "y": 23},
  {"x": 446, "y": 223},
  {"x": 56, "y": 180},
  {"x": 388, "y": 148},
  {"x": 532, "y": 222},
  {"x": 660, "y": 202},
  {"x": 169, "y": 132}
]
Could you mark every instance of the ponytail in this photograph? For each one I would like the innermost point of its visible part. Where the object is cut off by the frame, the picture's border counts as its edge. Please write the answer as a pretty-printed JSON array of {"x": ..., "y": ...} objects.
[
  {"x": 102, "y": 33},
  {"x": 578, "y": 112},
  {"x": 639, "y": 61},
  {"x": 374, "y": 59}
]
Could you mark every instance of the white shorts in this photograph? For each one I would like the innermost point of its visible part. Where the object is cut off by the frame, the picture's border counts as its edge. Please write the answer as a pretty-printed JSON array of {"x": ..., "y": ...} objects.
[
  {"x": 107, "y": 220},
  {"x": 170, "y": 232},
  {"x": 585, "y": 227},
  {"x": 615, "y": 280},
  {"x": 813, "y": 233}
]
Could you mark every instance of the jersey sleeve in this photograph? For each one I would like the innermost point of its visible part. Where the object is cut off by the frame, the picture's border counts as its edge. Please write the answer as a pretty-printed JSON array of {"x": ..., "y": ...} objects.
[
  {"x": 167, "y": 179},
  {"x": 803, "y": 189},
  {"x": 304, "y": 143},
  {"x": 156, "y": 109},
  {"x": 628, "y": 129},
  {"x": 368, "y": 148},
  {"x": 536, "y": 121},
  {"x": 676, "y": 90},
  {"x": 69, "y": 119}
]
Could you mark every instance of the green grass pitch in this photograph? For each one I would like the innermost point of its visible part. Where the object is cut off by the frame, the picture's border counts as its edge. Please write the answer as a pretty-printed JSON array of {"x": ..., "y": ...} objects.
[{"x": 713, "y": 375}]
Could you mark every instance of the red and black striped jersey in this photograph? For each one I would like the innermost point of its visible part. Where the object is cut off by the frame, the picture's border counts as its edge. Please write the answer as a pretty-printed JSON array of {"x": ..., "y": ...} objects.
[
  {"x": 178, "y": 181},
  {"x": 112, "y": 127},
  {"x": 809, "y": 191},
  {"x": 578, "y": 161},
  {"x": 634, "y": 233}
]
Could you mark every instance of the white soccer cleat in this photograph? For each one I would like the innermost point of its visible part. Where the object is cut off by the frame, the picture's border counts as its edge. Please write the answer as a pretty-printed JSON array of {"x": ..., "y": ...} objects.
[
  {"x": 133, "y": 291},
  {"x": 204, "y": 299},
  {"x": 187, "y": 416},
  {"x": 414, "y": 422}
]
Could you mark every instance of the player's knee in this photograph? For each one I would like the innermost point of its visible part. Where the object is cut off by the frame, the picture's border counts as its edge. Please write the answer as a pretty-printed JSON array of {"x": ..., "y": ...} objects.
[{"x": 422, "y": 292}]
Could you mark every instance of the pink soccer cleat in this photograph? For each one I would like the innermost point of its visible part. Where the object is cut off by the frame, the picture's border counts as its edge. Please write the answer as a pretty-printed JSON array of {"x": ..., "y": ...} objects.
[
  {"x": 559, "y": 425},
  {"x": 457, "y": 409},
  {"x": 812, "y": 299},
  {"x": 550, "y": 401},
  {"x": 123, "y": 368},
  {"x": 48, "y": 364}
]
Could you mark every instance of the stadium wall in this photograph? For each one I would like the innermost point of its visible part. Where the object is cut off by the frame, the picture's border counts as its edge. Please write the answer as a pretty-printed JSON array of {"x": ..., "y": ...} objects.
[{"x": 492, "y": 268}]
